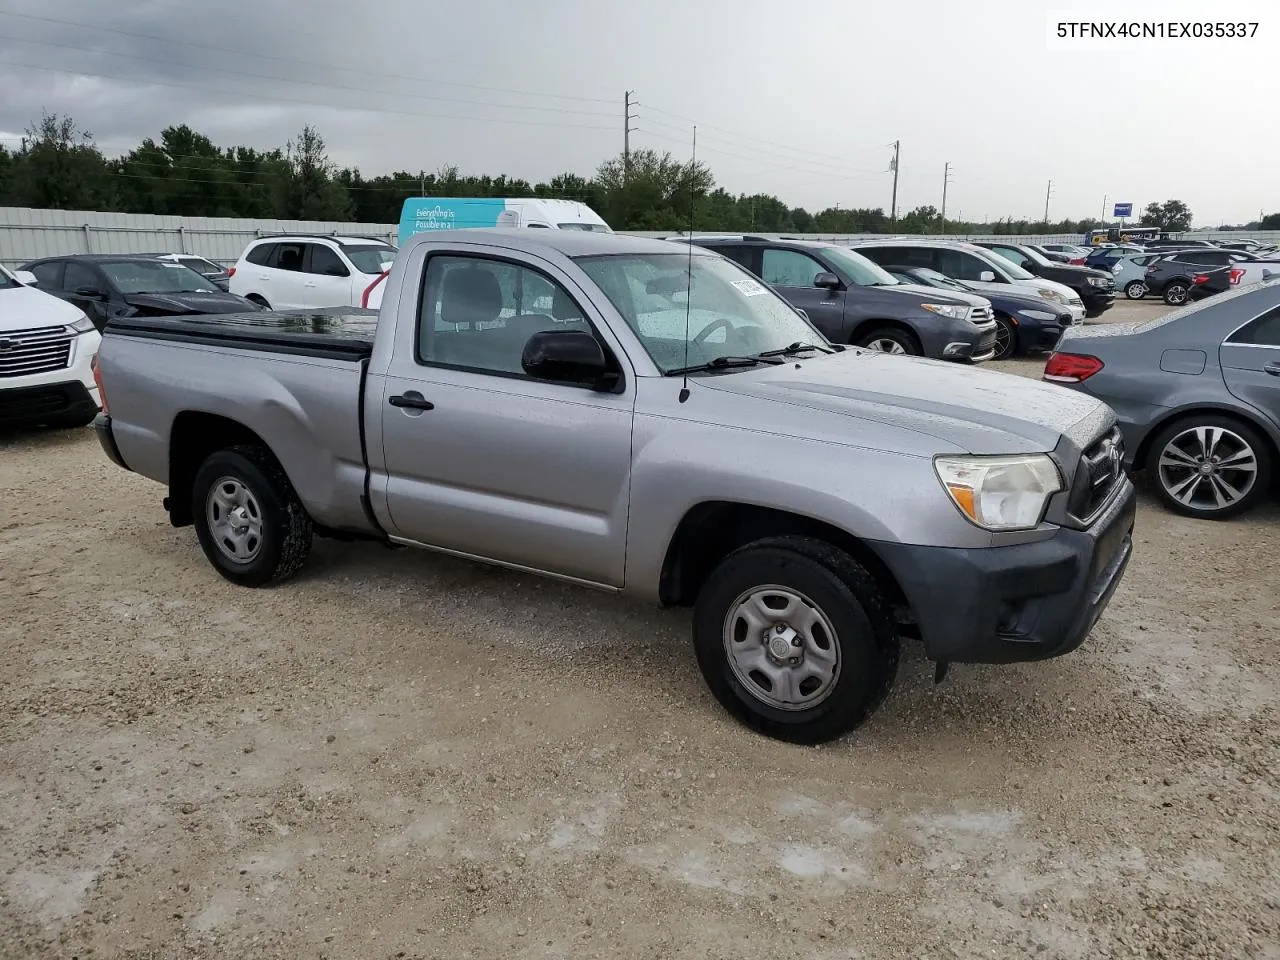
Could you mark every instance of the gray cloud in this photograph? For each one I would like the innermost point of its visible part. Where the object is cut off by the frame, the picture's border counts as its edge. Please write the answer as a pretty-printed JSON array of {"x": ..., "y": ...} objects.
[{"x": 795, "y": 100}]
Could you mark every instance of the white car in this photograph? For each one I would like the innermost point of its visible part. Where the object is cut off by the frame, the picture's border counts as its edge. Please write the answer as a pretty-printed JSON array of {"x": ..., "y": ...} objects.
[
  {"x": 47, "y": 348},
  {"x": 299, "y": 272}
]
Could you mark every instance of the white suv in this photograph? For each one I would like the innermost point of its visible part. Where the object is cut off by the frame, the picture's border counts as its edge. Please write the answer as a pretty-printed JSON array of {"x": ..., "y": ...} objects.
[{"x": 298, "y": 272}]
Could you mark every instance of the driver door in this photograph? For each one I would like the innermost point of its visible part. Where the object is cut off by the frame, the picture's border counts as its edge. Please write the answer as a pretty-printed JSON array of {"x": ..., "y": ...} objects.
[
  {"x": 791, "y": 273},
  {"x": 483, "y": 460}
]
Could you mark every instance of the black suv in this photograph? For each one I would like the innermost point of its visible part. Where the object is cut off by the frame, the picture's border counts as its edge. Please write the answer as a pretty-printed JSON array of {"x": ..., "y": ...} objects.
[
  {"x": 1097, "y": 288},
  {"x": 853, "y": 300},
  {"x": 1183, "y": 275}
]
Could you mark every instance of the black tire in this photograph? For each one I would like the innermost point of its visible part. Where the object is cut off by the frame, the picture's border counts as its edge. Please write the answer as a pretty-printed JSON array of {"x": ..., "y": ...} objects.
[
  {"x": 849, "y": 598},
  {"x": 285, "y": 528},
  {"x": 1175, "y": 293},
  {"x": 1135, "y": 289},
  {"x": 1162, "y": 479},
  {"x": 1006, "y": 338},
  {"x": 902, "y": 338}
]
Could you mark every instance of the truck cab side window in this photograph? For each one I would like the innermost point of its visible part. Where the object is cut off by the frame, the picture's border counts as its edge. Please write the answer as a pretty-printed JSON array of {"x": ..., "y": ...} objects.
[{"x": 479, "y": 314}]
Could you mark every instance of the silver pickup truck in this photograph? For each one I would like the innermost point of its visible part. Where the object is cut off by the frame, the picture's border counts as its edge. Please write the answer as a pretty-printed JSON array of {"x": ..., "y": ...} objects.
[{"x": 647, "y": 418}]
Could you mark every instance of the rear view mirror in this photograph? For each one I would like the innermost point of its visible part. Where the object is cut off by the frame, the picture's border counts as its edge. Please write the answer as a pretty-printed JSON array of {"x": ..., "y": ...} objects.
[
  {"x": 567, "y": 356},
  {"x": 987, "y": 276},
  {"x": 25, "y": 277},
  {"x": 826, "y": 281}
]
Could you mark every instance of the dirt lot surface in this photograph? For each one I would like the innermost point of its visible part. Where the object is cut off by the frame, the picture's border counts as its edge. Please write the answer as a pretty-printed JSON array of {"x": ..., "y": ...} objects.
[{"x": 402, "y": 755}]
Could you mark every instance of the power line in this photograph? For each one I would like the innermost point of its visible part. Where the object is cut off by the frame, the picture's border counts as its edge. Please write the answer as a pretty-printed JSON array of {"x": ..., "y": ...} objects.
[
  {"x": 754, "y": 140},
  {"x": 755, "y": 160},
  {"x": 276, "y": 98},
  {"x": 310, "y": 64},
  {"x": 311, "y": 83}
]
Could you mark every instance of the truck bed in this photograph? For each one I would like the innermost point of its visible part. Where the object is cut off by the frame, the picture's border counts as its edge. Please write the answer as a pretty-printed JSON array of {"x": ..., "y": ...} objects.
[{"x": 335, "y": 333}]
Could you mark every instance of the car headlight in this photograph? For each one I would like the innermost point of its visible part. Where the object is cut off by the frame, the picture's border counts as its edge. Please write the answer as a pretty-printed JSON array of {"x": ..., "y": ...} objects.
[
  {"x": 950, "y": 310},
  {"x": 1000, "y": 493},
  {"x": 1037, "y": 314},
  {"x": 1097, "y": 281},
  {"x": 83, "y": 325},
  {"x": 1053, "y": 295}
]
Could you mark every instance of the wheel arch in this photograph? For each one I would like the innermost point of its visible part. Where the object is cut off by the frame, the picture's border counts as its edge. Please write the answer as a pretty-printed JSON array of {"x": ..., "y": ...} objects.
[
  {"x": 1269, "y": 432},
  {"x": 711, "y": 530},
  {"x": 864, "y": 327},
  {"x": 193, "y": 436}
]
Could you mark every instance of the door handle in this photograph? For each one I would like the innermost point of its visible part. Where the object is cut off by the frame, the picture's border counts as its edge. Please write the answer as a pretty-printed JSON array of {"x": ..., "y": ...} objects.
[
  {"x": 411, "y": 400},
  {"x": 1272, "y": 368}
]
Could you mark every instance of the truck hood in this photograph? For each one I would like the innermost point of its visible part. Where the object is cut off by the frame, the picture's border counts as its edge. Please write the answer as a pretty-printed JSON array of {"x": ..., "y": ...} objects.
[
  {"x": 22, "y": 308},
  {"x": 176, "y": 304},
  {"x": 970, "y": 410}
]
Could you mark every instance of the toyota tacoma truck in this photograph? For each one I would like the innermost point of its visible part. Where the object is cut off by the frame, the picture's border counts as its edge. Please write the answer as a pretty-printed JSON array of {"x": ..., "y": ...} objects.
[{"x": 650, "y": 419}]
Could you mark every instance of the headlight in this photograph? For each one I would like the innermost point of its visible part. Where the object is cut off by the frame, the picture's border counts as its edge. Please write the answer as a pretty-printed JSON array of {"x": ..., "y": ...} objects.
[
  {"x": 1000, "y": 493},
  {"x": 1053, "y": 295},
  {"x": 1097, "y": 281},
  {"x": 83, "y": 325},
  {"x": 1037, "y": 314},
  {"x": 950, "y": 310}
]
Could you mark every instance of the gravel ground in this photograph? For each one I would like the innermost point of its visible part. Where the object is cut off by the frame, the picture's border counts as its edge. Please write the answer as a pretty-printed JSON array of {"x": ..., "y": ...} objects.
[{"x": 403, "y": 755}]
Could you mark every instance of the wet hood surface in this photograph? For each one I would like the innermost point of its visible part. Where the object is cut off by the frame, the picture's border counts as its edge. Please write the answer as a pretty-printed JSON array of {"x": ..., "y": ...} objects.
[
  {"x": 977, "y": 410},
  {"x": 187, "y": 303}
]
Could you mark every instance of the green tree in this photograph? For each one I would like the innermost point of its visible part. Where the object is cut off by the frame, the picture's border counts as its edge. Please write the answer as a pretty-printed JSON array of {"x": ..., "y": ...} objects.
[
  {"x": 59, "y": 166},
  {"x": 311, "y": 190},
  {"x": 1172, "y": 216},
  {"x": 654, "y": 193}
]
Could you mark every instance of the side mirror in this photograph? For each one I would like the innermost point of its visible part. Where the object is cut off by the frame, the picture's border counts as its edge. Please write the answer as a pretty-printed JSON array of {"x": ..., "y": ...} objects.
[
  {"x": 826, "y": 281},
  {"x": 567, "y": 356},
  {"x": 26, "y": 278},
  {"x": 987, "y": 276}
]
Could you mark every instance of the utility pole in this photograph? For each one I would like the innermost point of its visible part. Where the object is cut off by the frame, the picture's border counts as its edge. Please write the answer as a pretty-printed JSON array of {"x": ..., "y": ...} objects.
[
  {"x": 1104, "y": 208},
  {"x": 627, "y": 117},
  {"x": 946, "y": 178},
  {"x": 1047, "y": 194},
  {"x": 893, "y": 165}
]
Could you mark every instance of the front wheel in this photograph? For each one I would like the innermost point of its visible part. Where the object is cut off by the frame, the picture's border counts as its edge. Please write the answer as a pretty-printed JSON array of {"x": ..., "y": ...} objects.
[
  {"x": 1175, "y": 294},
  {"x": 1210, "y": 467},
  {"x": 250, "y": 522},
  {"x": 1006, "y": 338},
  {"x": 1135, "y": 290},
  {"x": 794, "y": 639},
  {"x": 890, "y": 340}
]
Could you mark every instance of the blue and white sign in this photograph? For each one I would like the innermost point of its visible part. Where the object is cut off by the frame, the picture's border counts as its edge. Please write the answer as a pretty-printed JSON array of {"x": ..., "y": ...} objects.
[
  {"x": 1123, "y": 210},
  {"x": 420, "y": 214}
]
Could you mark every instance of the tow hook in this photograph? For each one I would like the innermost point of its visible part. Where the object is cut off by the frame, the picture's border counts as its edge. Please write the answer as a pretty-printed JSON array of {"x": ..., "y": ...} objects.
[{"x": 940, "y": 671}]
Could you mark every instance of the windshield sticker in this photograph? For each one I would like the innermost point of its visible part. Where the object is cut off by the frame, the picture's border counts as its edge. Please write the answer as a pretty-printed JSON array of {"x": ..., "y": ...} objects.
[{"x": 748, "y": 288}]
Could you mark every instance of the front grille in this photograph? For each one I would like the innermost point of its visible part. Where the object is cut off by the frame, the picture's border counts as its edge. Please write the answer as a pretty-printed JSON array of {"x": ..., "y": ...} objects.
[
  {"x": 1101, "y": 469},
  {"x": 38, "y": 350},
  {"x": 980, "y": 315}
]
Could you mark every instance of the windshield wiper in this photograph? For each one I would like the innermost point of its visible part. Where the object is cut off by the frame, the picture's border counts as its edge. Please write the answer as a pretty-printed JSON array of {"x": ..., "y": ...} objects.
[
  {"x": 723, "y": 363},
  {"x": 792, "y": 349}
]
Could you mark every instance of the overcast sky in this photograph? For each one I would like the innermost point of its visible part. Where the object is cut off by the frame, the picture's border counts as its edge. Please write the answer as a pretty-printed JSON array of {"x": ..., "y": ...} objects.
[{"x": 801, "y": 100}]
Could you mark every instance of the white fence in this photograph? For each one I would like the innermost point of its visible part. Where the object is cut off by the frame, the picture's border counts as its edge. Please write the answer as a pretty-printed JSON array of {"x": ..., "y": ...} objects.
[{"x": 27, "y": 234}]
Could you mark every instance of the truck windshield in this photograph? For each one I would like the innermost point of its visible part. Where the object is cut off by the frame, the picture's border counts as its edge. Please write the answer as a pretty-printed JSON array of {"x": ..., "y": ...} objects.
[
  {"x": 370, "y": 258},
  {"x": 714, "y": 305},
  {"x": 149, "y": 276}
]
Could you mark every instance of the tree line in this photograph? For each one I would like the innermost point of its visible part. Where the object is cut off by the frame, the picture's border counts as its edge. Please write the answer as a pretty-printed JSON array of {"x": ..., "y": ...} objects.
[{"x": 59, "y": 165}]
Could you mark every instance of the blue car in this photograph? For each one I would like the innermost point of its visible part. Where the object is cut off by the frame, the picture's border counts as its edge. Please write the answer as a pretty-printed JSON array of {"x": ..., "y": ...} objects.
[
  {"x": 1106, "y": 258},
  {"x": 1025, "y": 323}
]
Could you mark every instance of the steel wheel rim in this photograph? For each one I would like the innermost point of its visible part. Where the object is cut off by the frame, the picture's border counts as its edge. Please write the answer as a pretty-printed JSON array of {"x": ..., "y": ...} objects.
[
  {"x": 1004, "y": 339},
  {"x": 1136, "y": 290},
  {"x": 781, "y": 647},
  {"x": 235, "y": 520},
  {"x": 885, "y": 345},
  {"x": 1208, "y": 468},
  {"x": 1176, "y": 294}
]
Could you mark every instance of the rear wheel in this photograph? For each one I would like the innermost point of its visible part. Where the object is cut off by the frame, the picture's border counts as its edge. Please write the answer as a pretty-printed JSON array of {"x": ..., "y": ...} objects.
[
  {"x": 1210, "y": 467},
  {"x": 1006, "y": 338},
  {"x": 1175, "y": 293},
  {"x": 890, "y": 340},
  {"x": 250, "y": 522},
  {"x": 794, "y": 639},
  {"x": 1135, "y": 289}
]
